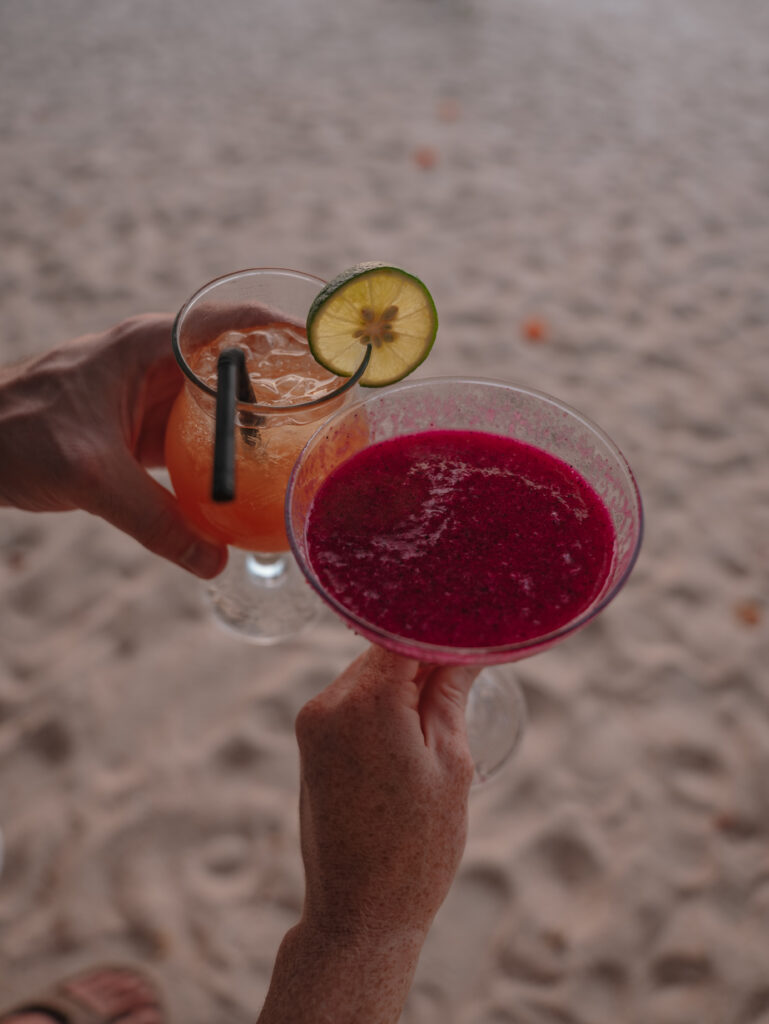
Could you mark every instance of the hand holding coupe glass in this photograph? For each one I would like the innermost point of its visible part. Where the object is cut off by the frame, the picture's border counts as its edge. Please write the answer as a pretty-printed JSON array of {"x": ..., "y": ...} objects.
[{"x": 451, "y": 520}]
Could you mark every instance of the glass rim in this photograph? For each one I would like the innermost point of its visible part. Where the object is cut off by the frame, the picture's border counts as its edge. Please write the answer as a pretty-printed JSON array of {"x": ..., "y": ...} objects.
[
  {"x": 488, "y": 654},
  {"x": 257, "y": 407}
]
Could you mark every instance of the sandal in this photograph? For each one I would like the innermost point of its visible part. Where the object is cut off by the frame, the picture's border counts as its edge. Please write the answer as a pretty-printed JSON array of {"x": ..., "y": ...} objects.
[{"x": 71, "y": 1002}]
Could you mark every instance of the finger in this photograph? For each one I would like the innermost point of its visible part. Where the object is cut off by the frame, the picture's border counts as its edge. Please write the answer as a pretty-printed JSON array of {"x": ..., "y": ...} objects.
[
  {"x": 160, "y": 387},
  {"x": 144, "y": 509},
  {"x": 376, "y": 684},
  {"x": 150, "y": 378},
  {"x": 143, "y": 339},
  {"x": 379, "y": 671},
  {"x": 443, "y": 702}
]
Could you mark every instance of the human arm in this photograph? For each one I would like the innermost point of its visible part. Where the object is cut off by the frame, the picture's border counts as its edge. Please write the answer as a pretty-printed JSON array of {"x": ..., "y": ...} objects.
[
  {"x": 385, "y": 776},
  {"x": 81, "y": 424}
]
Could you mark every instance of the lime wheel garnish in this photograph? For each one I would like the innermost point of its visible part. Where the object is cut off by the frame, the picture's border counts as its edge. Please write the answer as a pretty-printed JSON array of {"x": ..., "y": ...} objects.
[{"x": 375, "y": 305}]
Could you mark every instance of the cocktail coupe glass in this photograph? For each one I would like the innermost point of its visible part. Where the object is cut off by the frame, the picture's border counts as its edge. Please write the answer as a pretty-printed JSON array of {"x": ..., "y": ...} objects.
[
  {"x": 496, "y": 707},
  {"x": 261, "y": 595}
]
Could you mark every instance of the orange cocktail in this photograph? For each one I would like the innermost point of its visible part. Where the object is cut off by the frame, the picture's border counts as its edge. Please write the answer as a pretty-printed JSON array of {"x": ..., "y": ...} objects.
[
  {"x": 282, "y": 373},
  {"x": 262, "y": 313}
]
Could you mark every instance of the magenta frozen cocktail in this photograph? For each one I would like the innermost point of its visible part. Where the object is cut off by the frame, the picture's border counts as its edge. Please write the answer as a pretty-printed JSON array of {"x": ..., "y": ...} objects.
[
  {"x": 460, "y": 538},
  {"x": 464, "y": 521}
]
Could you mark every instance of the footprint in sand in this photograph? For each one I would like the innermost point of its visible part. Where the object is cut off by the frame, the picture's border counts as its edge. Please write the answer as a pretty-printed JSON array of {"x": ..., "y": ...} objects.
[
  {"x": 170, "y": 867},
  {"x": 476, "y": 904},
  {"x": 50, "y": 741},
  {"x": 562, "y": 902},
  {"x": 684, "y": 976},
  {"x": 602, "y": 990}
]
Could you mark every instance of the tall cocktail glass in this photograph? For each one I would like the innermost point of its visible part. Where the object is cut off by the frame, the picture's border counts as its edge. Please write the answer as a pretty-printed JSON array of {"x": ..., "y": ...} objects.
[
  {"x": 260, "y": 595},
  {"x": 496, "y": 707}
]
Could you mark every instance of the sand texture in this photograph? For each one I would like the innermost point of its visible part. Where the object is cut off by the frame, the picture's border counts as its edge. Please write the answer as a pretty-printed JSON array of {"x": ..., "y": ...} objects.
[{"x": 585, "y": 189}]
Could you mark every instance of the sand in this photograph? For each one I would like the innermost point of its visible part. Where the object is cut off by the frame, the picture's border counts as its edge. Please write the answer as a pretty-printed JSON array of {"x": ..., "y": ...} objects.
[{"x": 585, "y": 189}]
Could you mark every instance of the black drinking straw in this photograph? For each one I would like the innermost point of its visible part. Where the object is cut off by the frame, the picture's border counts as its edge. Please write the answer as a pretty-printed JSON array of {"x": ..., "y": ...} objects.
[{"x": 232, "y": 386}]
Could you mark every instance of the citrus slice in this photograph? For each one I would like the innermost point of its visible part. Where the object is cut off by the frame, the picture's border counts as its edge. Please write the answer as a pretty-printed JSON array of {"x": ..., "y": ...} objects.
[{"x": 377, "y": 305}]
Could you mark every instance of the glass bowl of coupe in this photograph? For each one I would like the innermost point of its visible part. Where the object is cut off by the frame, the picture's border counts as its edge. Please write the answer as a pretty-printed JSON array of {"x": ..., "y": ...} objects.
[{"x": 465, "y": 521}]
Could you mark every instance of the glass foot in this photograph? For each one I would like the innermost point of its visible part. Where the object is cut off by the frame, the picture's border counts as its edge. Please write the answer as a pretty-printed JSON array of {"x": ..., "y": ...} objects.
[
  {"x": 263, "y": 598},
  {"x": 496, "y": 719}
]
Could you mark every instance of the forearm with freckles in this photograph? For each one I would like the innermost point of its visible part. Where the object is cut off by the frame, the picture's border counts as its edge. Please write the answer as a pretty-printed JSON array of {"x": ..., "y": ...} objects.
[{"x": 319, "y": 978}]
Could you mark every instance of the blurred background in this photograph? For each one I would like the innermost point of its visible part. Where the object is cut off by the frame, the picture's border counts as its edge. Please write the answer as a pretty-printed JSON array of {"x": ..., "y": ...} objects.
[{"x": 585, "y": 190}]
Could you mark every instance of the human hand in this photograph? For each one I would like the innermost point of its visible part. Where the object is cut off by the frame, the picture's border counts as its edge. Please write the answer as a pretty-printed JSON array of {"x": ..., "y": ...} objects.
[
  {"x": 79, "y": 426},
  {"x": 386, "y": 772}
]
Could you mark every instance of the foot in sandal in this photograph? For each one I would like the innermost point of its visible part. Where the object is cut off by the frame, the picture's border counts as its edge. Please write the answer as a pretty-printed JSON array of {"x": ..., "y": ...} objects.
[{"x": 101, "y": 995}]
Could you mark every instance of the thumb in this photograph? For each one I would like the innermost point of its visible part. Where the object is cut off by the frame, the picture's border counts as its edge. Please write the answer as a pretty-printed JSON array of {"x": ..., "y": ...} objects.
[
  {"x": 443, "y": 701},
  {"x": 144, "y": 509}
]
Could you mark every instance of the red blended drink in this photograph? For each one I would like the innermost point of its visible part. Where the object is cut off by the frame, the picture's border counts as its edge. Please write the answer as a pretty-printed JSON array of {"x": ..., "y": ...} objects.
[
  {"x": 460, "y": 538},
  {"x": 465, "y": 521}
]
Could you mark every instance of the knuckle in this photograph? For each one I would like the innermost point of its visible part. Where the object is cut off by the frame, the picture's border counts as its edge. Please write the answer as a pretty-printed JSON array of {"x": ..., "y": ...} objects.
[
  {"x": 88, "y": 467},
  {"x": 136, "y": 323},
  {"x": 309, "y": 722},
  {"x": 325, "y": 724},
  {"x": 149, "y": 331},
  {"x": 466, "y": 769},
  {"x": 460, "y": 763}
]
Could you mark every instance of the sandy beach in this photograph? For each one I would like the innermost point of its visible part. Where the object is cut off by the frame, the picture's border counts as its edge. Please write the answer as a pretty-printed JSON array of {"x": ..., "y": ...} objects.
[{"x": 585, "y": 190}]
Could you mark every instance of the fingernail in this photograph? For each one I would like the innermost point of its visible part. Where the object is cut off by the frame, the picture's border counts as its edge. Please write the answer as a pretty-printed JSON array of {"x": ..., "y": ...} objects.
[{"x": 204, "y": 560}]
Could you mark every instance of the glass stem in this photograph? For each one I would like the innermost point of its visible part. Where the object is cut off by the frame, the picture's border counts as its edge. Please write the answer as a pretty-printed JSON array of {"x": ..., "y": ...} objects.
[{"x": 267, "y": 567}]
